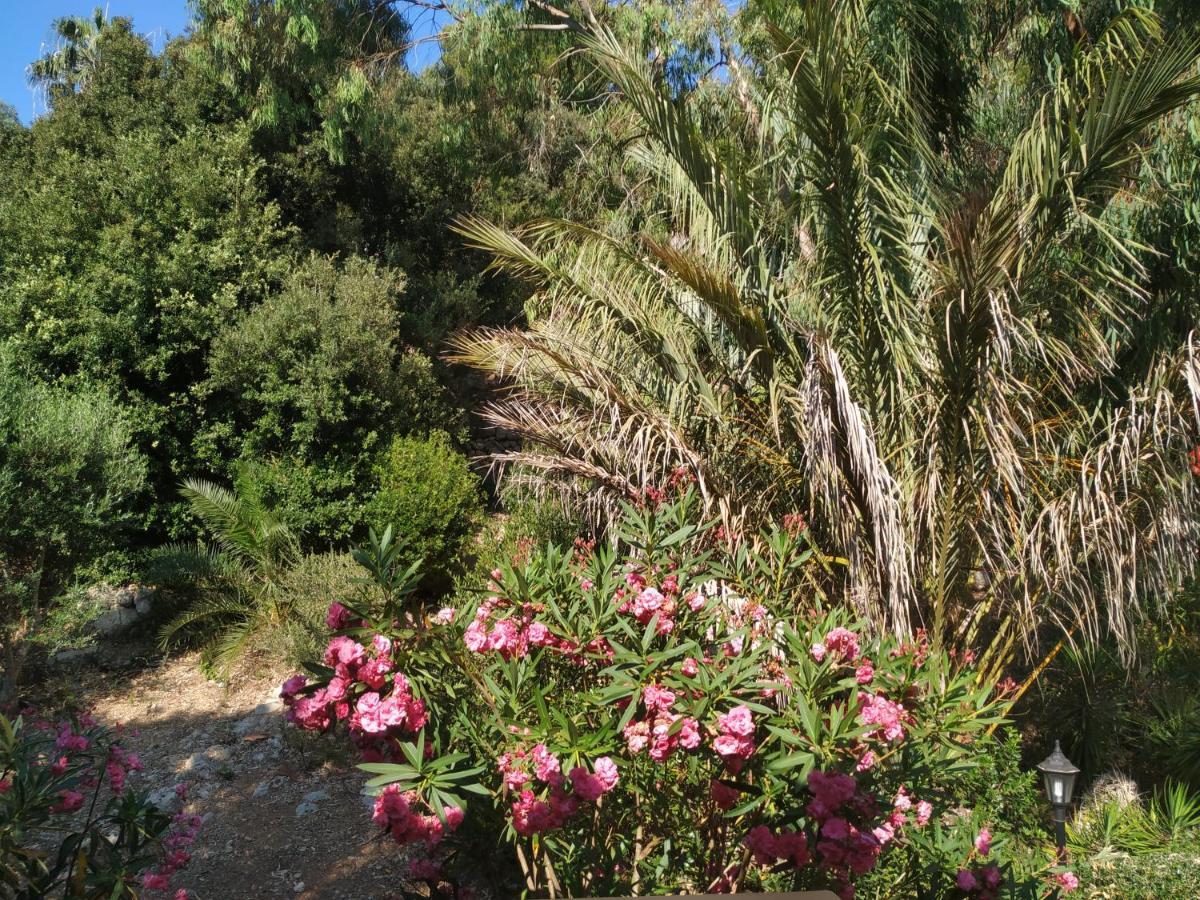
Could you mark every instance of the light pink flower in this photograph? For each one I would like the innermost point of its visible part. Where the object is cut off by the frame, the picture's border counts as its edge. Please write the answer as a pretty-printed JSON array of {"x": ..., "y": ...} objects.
[
  {"x": 1068, "y": 881},
  {"x": 983, "y": 842},
  {"x": 818, "y": 652}
]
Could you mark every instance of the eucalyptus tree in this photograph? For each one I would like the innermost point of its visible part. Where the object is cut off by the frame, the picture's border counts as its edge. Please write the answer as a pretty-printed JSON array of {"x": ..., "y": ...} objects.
[{"x": 827, "y": 317}]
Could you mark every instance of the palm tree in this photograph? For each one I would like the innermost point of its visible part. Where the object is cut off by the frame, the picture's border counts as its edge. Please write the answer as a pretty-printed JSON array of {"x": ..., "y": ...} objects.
[
  {"x": 75, "y": 54},
  {"x": 237, "y": 577},
  {"x": 936, "y": 376}
]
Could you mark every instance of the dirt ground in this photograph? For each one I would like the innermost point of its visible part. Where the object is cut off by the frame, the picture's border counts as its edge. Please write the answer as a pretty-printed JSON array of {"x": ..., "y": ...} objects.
[{"x": 281, "y": 818}]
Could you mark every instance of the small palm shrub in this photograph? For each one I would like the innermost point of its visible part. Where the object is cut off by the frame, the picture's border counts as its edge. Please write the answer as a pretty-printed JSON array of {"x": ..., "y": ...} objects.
[
  {"x": 670, "y": 712},
  {"x": 429, "y": 495},
  {"x": 230, "y": 584}
]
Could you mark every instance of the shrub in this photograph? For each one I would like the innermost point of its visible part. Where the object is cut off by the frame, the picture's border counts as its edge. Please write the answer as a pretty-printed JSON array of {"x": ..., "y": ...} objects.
[
  {"x": 428, "y": 492},
  {"x": 669, "y": 713},
  {"x": 68, "y": 780},
  {"x": 316, "y": 367},
  {"x": 1163, "y": 876},
  {"x": 68, "y": 474}
]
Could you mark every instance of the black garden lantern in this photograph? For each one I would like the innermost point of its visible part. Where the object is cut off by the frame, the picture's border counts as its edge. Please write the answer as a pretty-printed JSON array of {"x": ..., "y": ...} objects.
[{"x": 1058, "y": 775}]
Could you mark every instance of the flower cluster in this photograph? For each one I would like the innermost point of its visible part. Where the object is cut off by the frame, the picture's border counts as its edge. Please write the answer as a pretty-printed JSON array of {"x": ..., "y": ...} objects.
[
  {"x": 979, "y": 879},
  {"x": 532, "y": 814},
  {"x": 396, "y": 812},
  {"x": 513, "y": 636},
  {"x": 661, "y": 732},
  {"x": 848, "y": 829},
  {"x": 1193, "y": 459},
  {"x": 887, "y": 716},
  {"x": 645, "y": 603},
  {"x": 77, "y": 770},
  {"x": 184, "y": 828},
  {"x": 378, "y": 704},
  {"x": 735, "y": 739}
]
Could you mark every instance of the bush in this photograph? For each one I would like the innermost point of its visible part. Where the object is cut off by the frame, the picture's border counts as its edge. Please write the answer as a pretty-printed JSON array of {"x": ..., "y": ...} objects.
[
  {"x": 68, "y": 474},
  {"x": 1163, "y": 876},
  {"x": 429, "y": 494},
  {"x": 668, "y": 713},
  {"x": 315, "y": 367},
  {"x": 119, "y": 846}
]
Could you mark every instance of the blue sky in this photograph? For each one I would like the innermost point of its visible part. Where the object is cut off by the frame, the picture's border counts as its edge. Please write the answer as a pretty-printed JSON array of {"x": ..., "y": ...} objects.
[{"x": 25, "y": 32}]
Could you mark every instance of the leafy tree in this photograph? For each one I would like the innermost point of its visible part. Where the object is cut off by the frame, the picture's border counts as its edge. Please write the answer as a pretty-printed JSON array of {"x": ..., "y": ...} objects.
[
  {"x": 313, "y": 377},
  {"x": 131, "y": 229},
  {"x": 68, "y": 477},
  {"x": 928, "y": 371}
]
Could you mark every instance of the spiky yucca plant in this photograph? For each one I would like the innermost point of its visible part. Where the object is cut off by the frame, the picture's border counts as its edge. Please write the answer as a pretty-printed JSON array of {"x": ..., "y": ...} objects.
[{"x": 931, "y": 374}]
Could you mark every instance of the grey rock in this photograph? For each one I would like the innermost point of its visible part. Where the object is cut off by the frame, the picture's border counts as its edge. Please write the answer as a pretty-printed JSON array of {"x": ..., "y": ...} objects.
[
  {"x": 114, "y": 622},
  {"x": 316, "y": 796},
  {"x": 261, "y": 789},
  {"x": 305, "y": 809},
  {"x": 73, "y": 657},
  {"x": 165, "y": 799},
  {"x": 218, "y": 754}
]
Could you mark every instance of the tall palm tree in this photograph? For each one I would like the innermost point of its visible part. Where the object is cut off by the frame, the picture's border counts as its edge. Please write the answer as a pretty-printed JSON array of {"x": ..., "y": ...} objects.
[
  {"x": 71, "y": 61},
  {"x": 930, "y": 373}
]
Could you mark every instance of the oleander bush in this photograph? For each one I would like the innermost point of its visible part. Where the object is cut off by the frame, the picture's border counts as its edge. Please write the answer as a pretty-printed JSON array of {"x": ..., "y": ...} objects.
[
  {"x": 70, "y": 825},
  {"x": 678, "y": 710}
]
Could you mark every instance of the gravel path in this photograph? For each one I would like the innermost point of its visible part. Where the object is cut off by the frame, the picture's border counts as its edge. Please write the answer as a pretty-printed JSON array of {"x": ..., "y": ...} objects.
[{"x": 283, "y": 817}]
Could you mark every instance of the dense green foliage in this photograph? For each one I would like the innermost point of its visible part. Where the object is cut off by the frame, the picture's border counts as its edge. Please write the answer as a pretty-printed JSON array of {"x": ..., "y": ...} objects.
[
  {"x": 429, "y": 495},
  {"x": 920, "y": 274}
]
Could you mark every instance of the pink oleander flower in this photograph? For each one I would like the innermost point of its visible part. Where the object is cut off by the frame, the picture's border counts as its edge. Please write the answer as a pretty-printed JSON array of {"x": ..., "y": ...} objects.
[
  {"x": 983, "y": 842},
  {"x": 606, "y": 771},
  {"x": 1068, "y": 881},
  {"x": 722, "y": 795},
  {"x": 865, "y": 762},
  {"x": 689, "y": 734},
  {"x": 344, "y": 652},
  {"x": 338, "y": 617},
  {"x": 818, "y": 652},
  {"x": 991, "y": 877},
  {"x": 637, "y": 736},
  {"x": 865, "y": 673},
  {"x": 966, "y": 880},
  {"x": 116, "y": 775},
  {"x": 445, "y": 615},
  {"x": 881, "y": 712},
  {"x": 546, "y": 765},
  {"x": 657, "y": 698},
  {"x": 738, "y": 721},
  {"x": 539, "y": 635},
  {"x": 924, "y": 812},
  {"x": 292, "y": 686},
  {"x": 903, "y": 802},
  {"x": 843, "y": 642},
  {"x": 475, "y": 636},
  {"x": 690, "y": 667},
  {"x": 68, "y": 801},
  {"x": 155, "y": 881},
  {"x": 696, "y": 602}
]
